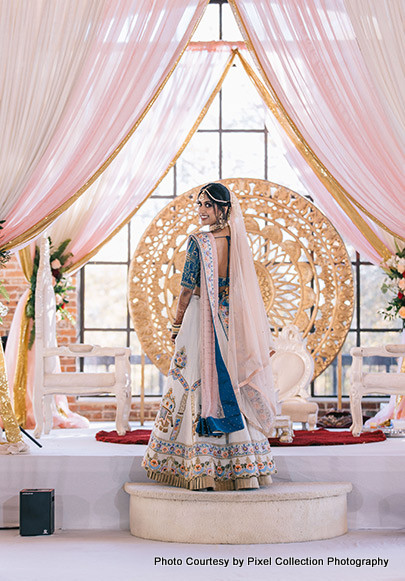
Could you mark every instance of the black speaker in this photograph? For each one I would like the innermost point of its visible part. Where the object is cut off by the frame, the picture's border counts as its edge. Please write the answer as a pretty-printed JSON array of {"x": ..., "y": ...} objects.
[{"x": 37, "y": 512}]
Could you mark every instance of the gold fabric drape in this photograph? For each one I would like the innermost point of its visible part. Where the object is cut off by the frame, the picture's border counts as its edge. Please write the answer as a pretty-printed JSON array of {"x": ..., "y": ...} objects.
[
  {"x": 342, "y": 197},
  {"x": 21, "y": 372},
  {"x": 10, "y": 422}
]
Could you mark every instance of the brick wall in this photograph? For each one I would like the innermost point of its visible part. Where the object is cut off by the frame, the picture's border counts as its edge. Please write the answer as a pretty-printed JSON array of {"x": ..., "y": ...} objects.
[
  {"x": 103, "y": 409},
  {"x": 16, "y": 284}
]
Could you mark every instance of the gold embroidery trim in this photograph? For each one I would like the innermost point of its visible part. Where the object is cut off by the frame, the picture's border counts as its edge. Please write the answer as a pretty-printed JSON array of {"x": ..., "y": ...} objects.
[
  {"x": 341, "y": 196},
  {"x": 42, "y": 224},
  {"x": 197, "y": 123},
  {"x": 10, "y": 424}
]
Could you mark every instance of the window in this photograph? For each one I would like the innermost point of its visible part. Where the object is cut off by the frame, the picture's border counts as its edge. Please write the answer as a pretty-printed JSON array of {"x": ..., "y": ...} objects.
[{"x": 232, "y": 140}]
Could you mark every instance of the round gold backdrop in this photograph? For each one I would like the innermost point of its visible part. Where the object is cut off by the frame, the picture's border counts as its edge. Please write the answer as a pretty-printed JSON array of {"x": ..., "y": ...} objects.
[{"x": 302, "y": 265}]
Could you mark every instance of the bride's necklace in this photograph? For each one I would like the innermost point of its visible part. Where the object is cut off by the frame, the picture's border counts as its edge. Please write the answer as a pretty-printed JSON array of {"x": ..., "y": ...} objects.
[{"x": 216, "y": 227}]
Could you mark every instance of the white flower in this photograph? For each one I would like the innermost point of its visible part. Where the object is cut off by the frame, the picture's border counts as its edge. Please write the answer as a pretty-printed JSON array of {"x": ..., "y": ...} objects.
[
  {"x": 401, "y": 284},
  {"x": 401, "y": 265},
  {"x": 3, "y": 310},
  {"x": 391, "y": 262}
]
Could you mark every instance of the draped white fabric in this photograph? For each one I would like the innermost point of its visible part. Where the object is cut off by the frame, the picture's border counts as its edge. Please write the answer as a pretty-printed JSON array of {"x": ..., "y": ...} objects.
[
  {"x": 75, "y": 78},
  {"x": 309, "y": 53},
  {"x": 37, "y": 75},
  {"x": 147, "y": 155},
  {"x": 379, "y": 28}
]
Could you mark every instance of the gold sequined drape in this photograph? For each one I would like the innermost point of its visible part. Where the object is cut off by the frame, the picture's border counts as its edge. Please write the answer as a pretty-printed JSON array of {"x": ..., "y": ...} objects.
[
  {"x": 21, "y": 372},
  {"x": 10, "y": 422}
]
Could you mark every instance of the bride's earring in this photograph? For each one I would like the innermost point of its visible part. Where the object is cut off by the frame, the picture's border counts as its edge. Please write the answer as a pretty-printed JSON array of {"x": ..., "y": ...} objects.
[{"x": 221, "y": 221}]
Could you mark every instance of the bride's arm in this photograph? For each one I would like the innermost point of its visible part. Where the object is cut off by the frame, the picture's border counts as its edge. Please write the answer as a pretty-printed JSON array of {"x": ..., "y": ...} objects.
[
  {"x": 189, "y": 281},
  {"x": 184, "y": 300}
]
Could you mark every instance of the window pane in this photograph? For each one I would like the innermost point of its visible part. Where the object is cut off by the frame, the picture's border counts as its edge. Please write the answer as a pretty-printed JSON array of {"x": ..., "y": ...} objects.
[
  {"x": 242, "y": 108},
  {"x": 116, "y": 250},
  {"x": 378, "y": 364},
  {"x": 327, "y": 383},
  {"x": 154, "y": 381},
  {"x": 230, "y": 28},
  {"x": 279, "y": 168},
  {"x": 372, "y": 299},
  {"x": 166, "y": 186},
  {"x": 104, "y": 339},
  {"x": 144, "y": 217},
  {"x": 199, "y": 163},
  {"x": 211, "y": 119},
  {"x": 243, "y": 155},
  {"x": 208, "y": 28},
  {"x": 105, "y": 301}
]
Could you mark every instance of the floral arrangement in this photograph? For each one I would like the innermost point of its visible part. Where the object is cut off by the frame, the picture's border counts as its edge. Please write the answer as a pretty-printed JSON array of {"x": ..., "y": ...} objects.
[
  {"x": 4, "y": 258},
  {"x": 394, "y": 267},
  {"x": 61, "y": 285}
]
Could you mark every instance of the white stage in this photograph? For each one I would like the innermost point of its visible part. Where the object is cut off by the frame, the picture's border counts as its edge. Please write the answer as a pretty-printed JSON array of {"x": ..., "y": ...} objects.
[{"x": 88, "y": 478}]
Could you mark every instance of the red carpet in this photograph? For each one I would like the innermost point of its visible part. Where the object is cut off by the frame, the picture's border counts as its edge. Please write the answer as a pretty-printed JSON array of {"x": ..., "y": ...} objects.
[{"x": 301, "y": 438}]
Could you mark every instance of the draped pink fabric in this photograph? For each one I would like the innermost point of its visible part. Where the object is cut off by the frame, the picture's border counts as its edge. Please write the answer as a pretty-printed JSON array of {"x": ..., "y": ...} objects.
[
  {"x": 308, "y": 52},
  {"x": 321, "y": 196},
  {"x": 147, "y": 155},
  {"x": 127, "y": 181},
  {"x": 136, "y": 46}
]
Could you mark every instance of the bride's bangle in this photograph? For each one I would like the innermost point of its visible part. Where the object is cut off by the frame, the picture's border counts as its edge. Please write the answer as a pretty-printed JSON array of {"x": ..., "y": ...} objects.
[{"x": 175, "y": 329}]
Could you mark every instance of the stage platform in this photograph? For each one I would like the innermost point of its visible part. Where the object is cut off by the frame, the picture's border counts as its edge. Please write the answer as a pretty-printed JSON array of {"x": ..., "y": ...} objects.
[{"x": 88, "y": 478}]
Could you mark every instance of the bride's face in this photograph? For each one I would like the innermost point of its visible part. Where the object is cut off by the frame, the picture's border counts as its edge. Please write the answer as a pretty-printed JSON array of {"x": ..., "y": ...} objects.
[{"x": 206, "y": 211}]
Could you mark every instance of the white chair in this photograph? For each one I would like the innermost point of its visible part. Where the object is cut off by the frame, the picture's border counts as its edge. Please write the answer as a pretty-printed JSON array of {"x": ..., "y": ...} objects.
[
  {"x": 49, "y": 380},
  {"x": 293, "y": 368},
  {"x": 372, "y": 383}
]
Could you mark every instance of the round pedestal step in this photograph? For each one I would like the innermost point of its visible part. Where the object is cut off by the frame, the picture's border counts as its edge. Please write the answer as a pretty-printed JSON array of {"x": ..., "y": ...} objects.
[{"x": 280, "y": 513}]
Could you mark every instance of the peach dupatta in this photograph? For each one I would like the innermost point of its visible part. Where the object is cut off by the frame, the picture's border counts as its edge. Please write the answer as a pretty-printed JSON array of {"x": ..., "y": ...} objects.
[{"x": 250, "y": 338}]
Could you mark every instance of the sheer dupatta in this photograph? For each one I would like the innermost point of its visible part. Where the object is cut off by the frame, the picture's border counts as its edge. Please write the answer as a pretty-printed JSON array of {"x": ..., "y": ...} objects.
[
  {"x": 250, "y": 339},
  {"x": 245, "y": 383}
]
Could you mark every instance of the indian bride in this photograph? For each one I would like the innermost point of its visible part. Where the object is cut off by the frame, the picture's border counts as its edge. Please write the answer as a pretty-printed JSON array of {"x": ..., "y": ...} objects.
[{"x": 212, "y": 429}]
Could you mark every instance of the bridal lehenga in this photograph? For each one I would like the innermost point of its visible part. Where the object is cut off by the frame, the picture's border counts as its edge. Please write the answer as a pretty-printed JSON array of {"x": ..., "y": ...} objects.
[{"x": 218, "y": 410}]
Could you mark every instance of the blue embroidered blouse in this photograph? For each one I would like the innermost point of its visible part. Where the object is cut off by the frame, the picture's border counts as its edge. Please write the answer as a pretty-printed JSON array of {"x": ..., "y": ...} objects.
[{"x": 192, "y": 268}]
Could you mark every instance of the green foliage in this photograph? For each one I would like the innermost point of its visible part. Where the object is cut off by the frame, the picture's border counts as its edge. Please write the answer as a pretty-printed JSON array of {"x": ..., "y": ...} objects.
[
  {"x": 394, "y": 284},
  {"x": 58, "y": 262}
]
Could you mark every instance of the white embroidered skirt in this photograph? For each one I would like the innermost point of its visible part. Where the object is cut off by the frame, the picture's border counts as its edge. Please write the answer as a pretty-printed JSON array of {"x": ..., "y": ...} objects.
[{"x": 176, "y": 454}]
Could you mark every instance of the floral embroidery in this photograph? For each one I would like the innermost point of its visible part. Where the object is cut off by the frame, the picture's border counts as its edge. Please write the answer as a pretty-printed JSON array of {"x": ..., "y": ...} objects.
[
  {"x": 191, "y": 270},
  {"x": 165, "y": 417},
  {"x": 245, "y": 468},
  {"x": 180, "y": 359}
]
